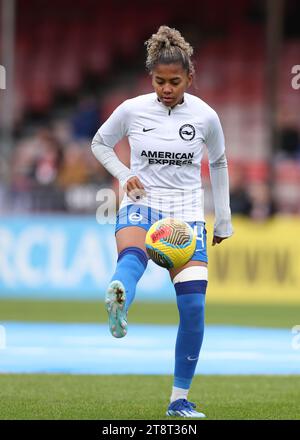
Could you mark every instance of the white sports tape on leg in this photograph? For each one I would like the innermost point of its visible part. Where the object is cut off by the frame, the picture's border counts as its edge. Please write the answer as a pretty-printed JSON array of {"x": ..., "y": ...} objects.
[{"x": 190, "y": 274}]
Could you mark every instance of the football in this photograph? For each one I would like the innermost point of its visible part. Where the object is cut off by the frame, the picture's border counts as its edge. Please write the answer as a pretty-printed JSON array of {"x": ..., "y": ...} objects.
[{"x": 170, "y": 243}]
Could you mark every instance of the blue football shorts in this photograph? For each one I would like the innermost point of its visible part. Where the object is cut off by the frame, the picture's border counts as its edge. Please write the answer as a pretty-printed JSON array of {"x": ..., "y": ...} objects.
[{"x": 144, "y": 217}]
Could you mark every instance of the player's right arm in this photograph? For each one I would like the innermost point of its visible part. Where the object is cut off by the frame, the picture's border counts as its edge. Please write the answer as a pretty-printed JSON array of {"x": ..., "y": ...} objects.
[{"x": 108, "y": 135}]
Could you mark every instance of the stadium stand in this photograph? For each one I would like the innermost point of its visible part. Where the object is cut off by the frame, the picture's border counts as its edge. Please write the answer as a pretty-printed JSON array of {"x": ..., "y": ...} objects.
[{"x": 75, "y": 67}]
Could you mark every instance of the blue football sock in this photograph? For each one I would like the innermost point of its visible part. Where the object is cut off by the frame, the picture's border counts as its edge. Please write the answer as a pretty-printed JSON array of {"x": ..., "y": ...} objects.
[
  {"x": 191, "y": 305},
  {"x": 131, "y": 265}
]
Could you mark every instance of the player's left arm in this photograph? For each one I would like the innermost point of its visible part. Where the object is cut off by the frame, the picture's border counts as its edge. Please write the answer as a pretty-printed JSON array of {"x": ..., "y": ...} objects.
[{"x": 219, "y": 180}]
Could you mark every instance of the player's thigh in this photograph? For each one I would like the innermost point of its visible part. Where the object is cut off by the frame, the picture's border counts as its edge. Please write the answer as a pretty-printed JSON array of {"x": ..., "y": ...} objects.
[
  {"x": 174, "y": 272},
  {"x": 199, "y": 257},
  {"x": 131, "y": 236}
]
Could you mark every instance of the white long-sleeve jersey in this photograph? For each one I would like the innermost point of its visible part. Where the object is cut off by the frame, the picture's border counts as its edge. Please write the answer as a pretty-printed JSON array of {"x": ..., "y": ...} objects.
[{"x": 166, "y": 150}]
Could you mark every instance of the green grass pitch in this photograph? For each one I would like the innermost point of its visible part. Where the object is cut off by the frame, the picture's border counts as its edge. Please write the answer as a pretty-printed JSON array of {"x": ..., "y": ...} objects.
[
  {"x": 146, "y": 397},
  {"x": 260, "y": 315}
]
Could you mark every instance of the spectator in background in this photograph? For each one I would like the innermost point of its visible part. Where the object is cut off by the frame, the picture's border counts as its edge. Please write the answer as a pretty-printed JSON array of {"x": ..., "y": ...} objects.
[
  {"x": 49, "y": 160},
  {"x": 289, "y": 145},
  {"x": 36, "y": 164},
  {"x": 74, "y": 170},
  {"x": 240, "y": 201},
  {"x": 46, "y": 195},
  {"x": 251, "y": 198},
  {"x": 86, "y": 119},
  {"x": 262, "y": 203},
  {"x": 36, "y": 160}
]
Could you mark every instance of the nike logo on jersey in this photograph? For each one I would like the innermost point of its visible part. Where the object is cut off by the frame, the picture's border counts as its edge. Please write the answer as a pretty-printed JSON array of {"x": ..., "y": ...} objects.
[{"x": 148, "y": 129}]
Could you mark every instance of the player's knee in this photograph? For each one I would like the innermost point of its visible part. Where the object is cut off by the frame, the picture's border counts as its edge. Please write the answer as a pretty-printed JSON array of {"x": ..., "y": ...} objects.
[
  {"x": 191, "y": 309},
  {"x": 136, "y": 252},
  {"x": 196, "y": 310}
]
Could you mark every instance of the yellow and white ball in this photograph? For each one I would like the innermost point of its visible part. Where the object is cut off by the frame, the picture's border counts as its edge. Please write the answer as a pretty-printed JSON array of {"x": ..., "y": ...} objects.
[{"x": 170, "y": 243}]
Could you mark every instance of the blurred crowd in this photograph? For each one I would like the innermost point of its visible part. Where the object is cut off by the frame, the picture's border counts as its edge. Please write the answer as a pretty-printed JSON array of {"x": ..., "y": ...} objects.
[{"x": 52, "y": 169}]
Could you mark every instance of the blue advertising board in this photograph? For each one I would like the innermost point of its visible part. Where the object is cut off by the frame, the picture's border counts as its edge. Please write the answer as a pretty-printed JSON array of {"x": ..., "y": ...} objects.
[{"x": 66, "y": 257}]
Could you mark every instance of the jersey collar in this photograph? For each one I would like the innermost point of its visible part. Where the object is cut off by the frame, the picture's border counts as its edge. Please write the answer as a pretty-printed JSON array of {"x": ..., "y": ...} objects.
[{"x": 170, "y": 109}]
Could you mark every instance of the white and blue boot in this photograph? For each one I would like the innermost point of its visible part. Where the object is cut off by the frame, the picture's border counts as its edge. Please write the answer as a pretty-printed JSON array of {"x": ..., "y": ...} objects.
[
  {"x": 115, "y": 298},
  {"x": 183, "y": 408}
]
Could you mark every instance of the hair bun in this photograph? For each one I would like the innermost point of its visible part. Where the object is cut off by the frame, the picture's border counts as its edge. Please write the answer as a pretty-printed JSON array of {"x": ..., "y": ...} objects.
[{"x": 168, "y": 40}]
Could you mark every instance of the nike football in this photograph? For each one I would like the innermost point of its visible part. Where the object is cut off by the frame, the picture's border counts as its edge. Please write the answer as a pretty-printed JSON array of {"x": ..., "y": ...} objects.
[{"x": 170, "y": 243}]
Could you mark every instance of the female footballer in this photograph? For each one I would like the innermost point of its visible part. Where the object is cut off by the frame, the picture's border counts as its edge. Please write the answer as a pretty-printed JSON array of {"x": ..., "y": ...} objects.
[{"x": 167, "y": 131}]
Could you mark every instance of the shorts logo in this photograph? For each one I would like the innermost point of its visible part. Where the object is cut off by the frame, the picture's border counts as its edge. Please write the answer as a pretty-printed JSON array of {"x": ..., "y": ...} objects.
[
  {"x": 135, "y": 217},
  {"x": 187, "y": 132}
]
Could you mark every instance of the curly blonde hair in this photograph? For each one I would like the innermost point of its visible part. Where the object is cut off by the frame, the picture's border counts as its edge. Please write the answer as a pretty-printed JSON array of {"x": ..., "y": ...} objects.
[{"x": 168, "y": 46}]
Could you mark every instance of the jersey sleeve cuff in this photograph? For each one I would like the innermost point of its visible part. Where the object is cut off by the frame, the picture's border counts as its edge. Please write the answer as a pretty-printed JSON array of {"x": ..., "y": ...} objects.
[{"x": 223, "y": 228}]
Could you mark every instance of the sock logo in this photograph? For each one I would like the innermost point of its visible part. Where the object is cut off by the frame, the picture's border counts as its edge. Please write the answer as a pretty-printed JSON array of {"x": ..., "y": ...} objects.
[{"x": 191, "y": 358}]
